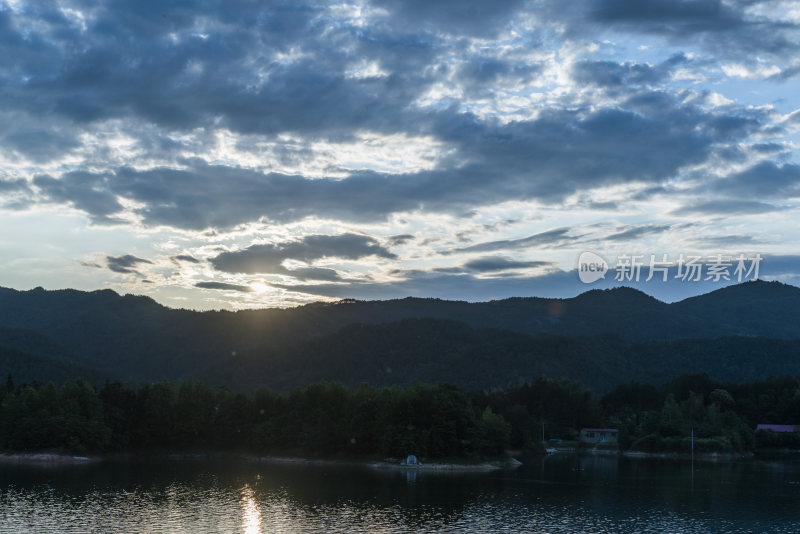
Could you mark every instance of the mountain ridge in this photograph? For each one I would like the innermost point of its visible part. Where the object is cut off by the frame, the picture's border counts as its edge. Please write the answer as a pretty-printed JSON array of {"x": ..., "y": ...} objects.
[{"x": 137, "y": 339}]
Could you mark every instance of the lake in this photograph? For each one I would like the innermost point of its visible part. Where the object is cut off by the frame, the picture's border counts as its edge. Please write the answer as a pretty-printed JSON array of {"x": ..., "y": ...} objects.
[{"x": 556, "y": 494}]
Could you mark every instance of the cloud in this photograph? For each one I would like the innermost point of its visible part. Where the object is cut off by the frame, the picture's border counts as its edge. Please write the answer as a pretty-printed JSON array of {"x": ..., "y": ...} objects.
[
  {"x": 559, "y": 237},
  {"x": 40, "y": 145},
  {"x": 726, "y": 207},
  {"x": 557, "y": 154},
  {"x": 225, "y": 68},
  {"x": 747, "y": 192},
  {"x": 554, "y": 283},
  {"x": 552, "y": 237},
  {"x": 764, "y": 180},
  {"x": 480, "y": 76},
  {"x": 400, "y": 239},
  {"x": 204, "y": 116},
  {"x": 787, "y": 73},
  {"x": 726, "y": 28},
  {"x": 768, "y": 148},
  {"x": 459, "y": 286},
  {"x": 14, "y": 186},
  {"x": 501, "y": 263},
  {"x": 85, "y": 191},
  {"x": 270, "y": 258},
  {"x": 727, "y": 240},
  {"x": 637, "y": 231},
  {"x": 613, "y": 74},
  {"x": 222, "y": 286},
  {"x": 125, "y": 264},
  {"x": 185, "y": 257},
  {"x": 461, "y": 17}
]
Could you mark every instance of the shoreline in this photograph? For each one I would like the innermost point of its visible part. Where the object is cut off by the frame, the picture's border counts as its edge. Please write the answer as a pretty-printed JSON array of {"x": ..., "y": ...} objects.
[
  {"x": 46, "y": 458},
  {"x": 484, "y": 466},
  {"x": 53, "y": 459},
  {"x": 699, "y": 456},
  {"x": 61, "y": 459}
]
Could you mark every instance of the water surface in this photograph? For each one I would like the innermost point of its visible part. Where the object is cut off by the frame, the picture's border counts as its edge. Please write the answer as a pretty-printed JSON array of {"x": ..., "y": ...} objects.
[{"x": 556, "y": 494}]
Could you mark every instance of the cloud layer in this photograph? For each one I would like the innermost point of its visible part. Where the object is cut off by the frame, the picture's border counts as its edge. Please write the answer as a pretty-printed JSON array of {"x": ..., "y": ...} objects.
[{"x": 333, "y": 145}]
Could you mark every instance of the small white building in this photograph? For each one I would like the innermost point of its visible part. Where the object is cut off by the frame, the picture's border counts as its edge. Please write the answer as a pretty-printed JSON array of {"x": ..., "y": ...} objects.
[{"x": 599, "y": 435}]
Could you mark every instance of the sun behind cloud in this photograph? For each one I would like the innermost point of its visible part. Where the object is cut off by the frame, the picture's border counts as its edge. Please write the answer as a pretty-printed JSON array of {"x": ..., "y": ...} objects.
[{"x": 258, "y": 286}]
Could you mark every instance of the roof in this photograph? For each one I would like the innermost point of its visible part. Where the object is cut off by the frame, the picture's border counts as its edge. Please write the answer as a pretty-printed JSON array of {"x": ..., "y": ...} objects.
[
  {"x": 599, "y": 430},
  {"x": 779, "y": 428}
]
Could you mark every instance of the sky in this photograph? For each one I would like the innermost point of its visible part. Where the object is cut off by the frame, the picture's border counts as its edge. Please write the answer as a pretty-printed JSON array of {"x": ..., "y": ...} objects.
[{"x": 242, "y": 154}]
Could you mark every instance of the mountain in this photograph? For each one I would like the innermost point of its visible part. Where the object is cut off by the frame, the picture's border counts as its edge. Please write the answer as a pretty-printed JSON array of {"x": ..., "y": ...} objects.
[
  {"x": 436, "y": 350},
  {"x": 601, "y": 336},
  {"x": 29, "y": 356},
  {"x": 767, "y": 309}
]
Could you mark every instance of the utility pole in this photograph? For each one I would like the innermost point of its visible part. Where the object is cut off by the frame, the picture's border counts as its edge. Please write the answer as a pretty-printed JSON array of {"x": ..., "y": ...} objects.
[{"x": 692, "y": 457}]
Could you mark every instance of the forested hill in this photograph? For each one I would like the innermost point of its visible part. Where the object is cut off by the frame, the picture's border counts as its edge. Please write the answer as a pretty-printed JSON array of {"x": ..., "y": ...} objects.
[{"x": 600, "y": 337}]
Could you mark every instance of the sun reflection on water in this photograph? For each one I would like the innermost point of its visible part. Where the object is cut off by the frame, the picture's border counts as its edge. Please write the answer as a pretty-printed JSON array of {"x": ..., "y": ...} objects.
[{"x": 251, "y": 512}]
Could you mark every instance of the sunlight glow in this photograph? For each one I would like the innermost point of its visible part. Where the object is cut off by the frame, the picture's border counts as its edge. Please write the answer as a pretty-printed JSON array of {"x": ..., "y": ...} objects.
[
  {"x": 259, "y": 287},
  {"x": 251, "y": 513}
]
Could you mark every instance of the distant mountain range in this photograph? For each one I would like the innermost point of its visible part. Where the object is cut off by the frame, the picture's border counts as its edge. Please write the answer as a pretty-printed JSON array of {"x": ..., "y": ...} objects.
[{"x": 602, "y": 337}]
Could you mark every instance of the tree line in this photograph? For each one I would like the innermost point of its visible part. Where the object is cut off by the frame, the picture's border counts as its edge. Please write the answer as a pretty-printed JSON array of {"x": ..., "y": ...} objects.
[{"x": 431, "y": 421}]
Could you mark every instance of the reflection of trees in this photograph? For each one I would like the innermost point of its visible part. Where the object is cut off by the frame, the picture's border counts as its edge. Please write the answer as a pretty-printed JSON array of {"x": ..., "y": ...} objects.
[
  {"x": 379, "y": 495},
  {"x": 552, "y": 494}
]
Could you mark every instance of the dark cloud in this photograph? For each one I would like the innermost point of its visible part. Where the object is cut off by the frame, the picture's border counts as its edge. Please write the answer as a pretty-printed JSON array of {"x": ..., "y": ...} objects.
[
  {"x": 501, "y": 263},
  {"x": 223, "y": 286},
  {"x": 636, "y": 232},
  {"x": 400, "y": 239},
  {"x": 38, "y": 145},
  {"x": 309, "y": 273},
  {"x": 608, "y": 205},
  {"x": 671, "y": 15},
  {"x": 86, "y": 191},
  {"x": 555, "y": 155},
  {"x": 764, "y": 180},
  {"x": 227, "y": 69},
  {"x": 465, "y": 17},
  {"x": 787, "y": 73},
  {"x": 212, "y": 64},
  {"x": 186, "y": 258},
  {"x": 17, "y": 185},
  {"x": 727, "y": 240},
  {"x": 726, "y": 207},
  {"x": 613, "y": 74},
  {"x": 554, "y": 237},
  {"x": 563, "y": 151},
  {"x": 480, "y": 76},
  {"x": 768, "y": 148},
  {"x": 124, "y": 264},
  {"x": 272, "y": 70},
  {"x": 270, "y": 258},
  {"x": 726, "y": 28},
  {"x": 750, "y": 191}
]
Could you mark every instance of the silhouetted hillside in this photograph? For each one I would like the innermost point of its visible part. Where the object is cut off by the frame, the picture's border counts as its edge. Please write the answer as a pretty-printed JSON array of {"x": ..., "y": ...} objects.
[
  {"x": 600, "y": 337},
  {"x": 436, "y": 351}
]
